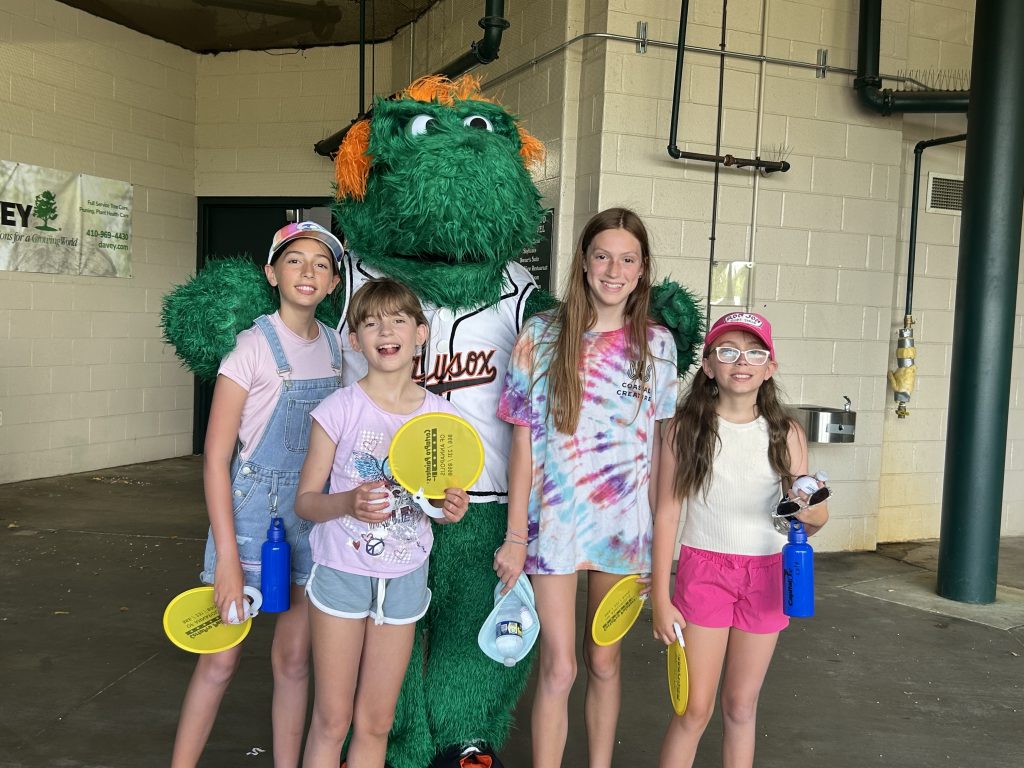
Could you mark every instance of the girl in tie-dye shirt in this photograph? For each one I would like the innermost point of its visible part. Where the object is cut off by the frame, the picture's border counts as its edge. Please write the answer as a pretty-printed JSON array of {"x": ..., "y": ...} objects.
[{"x": 585, "y": 390}]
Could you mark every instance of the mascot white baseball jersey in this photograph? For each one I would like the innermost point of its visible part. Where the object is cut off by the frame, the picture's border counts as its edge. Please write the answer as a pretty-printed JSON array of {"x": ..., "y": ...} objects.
[{"x": 464, "y": 360}]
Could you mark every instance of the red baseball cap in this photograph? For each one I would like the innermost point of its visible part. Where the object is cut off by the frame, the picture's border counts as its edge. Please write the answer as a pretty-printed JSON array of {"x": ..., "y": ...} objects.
[{"x": 748, "y": 322}]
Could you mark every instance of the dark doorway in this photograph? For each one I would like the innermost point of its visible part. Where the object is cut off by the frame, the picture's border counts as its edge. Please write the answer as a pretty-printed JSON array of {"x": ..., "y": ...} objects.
[{"x": 233, "y": 226}]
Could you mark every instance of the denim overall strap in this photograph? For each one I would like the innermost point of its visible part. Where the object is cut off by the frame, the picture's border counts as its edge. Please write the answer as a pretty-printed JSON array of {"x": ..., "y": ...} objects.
[
  {"x": 282, "y": 446},
  {"x": 280, "y": 360},
  {"x": 332, "y": 341}
]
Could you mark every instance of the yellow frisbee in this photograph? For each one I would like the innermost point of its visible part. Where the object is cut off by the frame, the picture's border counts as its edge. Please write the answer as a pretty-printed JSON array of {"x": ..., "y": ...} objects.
[
  {"x": 435, "y": 451},
  {"x": 617, "y": 611},
  {"x": 678, "y": 675},
  {"x": 192, "y": 622}
]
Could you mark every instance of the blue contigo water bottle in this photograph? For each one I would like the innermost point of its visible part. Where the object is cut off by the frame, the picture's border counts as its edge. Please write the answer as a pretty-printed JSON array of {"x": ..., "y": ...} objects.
[
  {"x": 797, "y": 573},
  {"x": 276, "y": 569}
]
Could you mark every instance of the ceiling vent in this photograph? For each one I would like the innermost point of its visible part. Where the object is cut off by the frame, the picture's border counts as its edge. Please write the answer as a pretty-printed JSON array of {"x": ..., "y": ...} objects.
[{"x": 945, "y": 193}]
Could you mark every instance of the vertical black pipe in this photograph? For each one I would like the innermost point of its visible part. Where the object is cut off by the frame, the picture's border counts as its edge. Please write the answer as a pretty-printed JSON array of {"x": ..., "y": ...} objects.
[
  {"x": 919, "y": 149},
  {"x": 868, "y": 82},
  {"x": 912, "y": 248},
  {"x": 869, "y": 44},
  {"x": 677, "y": 89},
  {"x": 768, "y": 166},
  {"x": 986, "y": 287},
  {"x": 362, "y": 59},
  {"x": 482, "y": 51}
]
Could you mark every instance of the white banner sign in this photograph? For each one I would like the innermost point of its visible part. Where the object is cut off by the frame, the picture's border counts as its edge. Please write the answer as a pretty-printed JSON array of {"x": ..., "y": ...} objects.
[{"x": 66, "y": 223}]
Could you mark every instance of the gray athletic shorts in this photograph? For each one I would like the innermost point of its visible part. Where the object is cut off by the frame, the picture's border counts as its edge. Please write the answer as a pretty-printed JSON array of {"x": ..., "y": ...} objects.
[{"x": 399, "y": 600}]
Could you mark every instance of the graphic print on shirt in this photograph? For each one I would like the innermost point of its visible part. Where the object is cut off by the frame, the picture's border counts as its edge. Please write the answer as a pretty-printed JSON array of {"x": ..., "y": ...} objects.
[
  {"x": 460, "y": 370},
  {"x": 389, "y": 540},
  {"x": 638, "y": 385}
]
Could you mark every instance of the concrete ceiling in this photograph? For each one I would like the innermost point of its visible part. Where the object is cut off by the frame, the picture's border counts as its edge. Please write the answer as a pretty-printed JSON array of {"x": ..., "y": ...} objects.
[{"x": 214, "y": 26}]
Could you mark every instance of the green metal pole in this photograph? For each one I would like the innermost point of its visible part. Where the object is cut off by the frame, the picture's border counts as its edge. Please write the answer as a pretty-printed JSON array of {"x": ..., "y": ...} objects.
[{"x": 986, "y": 289}]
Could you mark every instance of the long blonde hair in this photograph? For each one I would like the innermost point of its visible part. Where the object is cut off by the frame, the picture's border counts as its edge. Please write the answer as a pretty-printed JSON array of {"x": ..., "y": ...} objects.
[{"x": 577, "y": 314}]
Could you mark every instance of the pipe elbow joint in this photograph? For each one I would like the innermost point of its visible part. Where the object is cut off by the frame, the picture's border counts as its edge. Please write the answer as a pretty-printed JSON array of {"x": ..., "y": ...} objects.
[
  {"x": 873, "y": 97},
  {"x": 486, "y": 50}
]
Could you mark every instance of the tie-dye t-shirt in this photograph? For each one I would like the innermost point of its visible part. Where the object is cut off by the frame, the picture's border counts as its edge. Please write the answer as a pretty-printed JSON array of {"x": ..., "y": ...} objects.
[{"x": 589, "y": 506}]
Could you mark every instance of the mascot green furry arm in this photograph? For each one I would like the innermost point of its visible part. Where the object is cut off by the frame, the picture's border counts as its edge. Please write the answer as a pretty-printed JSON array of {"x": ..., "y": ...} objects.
[{"x": 435, "y": 191}]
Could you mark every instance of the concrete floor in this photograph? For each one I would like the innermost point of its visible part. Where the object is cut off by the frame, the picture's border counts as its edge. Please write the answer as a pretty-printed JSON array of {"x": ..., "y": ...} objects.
[{"x": 887, "y": 673}]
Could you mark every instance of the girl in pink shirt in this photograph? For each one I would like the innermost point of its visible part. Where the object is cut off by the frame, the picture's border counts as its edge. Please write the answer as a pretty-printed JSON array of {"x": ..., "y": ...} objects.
[{"x": 370, "y": 543}]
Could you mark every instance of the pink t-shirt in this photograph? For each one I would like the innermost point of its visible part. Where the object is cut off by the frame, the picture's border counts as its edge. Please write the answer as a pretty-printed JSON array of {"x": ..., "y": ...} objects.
[
  {"x": 362, "y": 432},
  {"x": 251, "y": 365}
]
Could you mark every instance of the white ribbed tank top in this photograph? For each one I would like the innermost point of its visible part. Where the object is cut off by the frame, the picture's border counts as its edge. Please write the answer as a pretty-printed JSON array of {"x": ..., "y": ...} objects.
[{"x": 735, "y": 516}]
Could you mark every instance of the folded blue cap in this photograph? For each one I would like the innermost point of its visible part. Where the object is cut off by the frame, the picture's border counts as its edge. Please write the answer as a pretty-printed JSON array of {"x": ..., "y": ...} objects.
[{"x": 487, "y": 638}]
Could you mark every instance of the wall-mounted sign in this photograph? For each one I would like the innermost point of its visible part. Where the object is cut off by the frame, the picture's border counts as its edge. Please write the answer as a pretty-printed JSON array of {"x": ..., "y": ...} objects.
[
  {"x": 64, "y": 223},
  {"x": 731, "y": 282},
  {"x": 537, "y": 258}
]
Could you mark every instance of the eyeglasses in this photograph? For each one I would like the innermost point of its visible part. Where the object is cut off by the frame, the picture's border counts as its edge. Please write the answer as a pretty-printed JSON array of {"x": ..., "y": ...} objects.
[
  {"x": 732, "y": 355},
  {"x": 789, "y": 507}
]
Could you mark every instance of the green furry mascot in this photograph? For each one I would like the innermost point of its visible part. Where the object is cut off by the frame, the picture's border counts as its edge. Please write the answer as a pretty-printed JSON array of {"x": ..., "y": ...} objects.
[{"x": 435, "y": 191}]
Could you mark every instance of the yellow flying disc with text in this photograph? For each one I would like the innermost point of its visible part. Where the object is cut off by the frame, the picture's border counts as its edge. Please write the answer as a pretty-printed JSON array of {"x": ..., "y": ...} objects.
[
  {"x": 192, "y": 622},
  {"x": 678, "y": 674},
  {"x": 617, "y": 611},
  {"x": 435, "y": 451}
]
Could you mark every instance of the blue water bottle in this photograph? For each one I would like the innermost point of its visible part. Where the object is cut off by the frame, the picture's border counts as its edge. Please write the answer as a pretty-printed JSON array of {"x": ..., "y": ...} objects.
[
  {"x": 276, "y": 569},
  {"x": 797, "y": 573}
]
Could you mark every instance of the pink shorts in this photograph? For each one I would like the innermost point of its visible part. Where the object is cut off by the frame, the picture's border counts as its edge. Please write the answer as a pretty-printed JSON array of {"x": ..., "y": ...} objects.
[{"x": 714, "y": 589}]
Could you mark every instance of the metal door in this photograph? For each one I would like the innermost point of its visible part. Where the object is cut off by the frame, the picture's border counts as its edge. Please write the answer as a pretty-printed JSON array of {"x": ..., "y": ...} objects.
[{"x": 234, "y": 226}]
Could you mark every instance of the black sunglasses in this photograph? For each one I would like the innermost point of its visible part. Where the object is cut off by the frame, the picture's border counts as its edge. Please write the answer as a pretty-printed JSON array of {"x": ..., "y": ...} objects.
[{"x": 789, "y": 507}]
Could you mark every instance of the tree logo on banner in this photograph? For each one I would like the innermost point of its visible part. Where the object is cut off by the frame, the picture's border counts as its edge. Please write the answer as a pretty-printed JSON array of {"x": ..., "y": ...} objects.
[{"x": 45, "y": 209}]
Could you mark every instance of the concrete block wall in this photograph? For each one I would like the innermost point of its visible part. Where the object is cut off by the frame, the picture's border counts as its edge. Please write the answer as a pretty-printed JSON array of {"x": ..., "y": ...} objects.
[
  {"x": 821, "y": 237},
  {"x": 544, "y": 96},
  {"x": 940, "y": 37},
  {"x": 259, "y": 113},
  {"x": 85, "y": 381},
  {"x": 828, "y": 238}
]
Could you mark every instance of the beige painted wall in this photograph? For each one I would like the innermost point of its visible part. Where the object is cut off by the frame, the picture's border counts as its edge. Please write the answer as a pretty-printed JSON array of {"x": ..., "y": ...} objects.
[
  {"x": 85, "y": 381},
  {"x": 259, "y": 113},
  {"x": 828, "y": 238}
]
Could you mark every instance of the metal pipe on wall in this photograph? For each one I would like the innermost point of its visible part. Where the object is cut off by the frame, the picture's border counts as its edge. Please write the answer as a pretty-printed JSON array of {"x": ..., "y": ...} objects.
[
  {"x": 919, "y": 149},
  {"x": 754, "y": 196},
  {"x": 903, "y": 378},
  {"x": 821, "y": 68},
  {"x": 984, "y": 318},
  {"x": 868, "y": 82},
  {"x": 362, "y": 59},
  {"x": 327, "y": 147},
  {"x": 718, "y": 148},
  {"x": 482, "y": 51},
  {"x": 674, "y": 152}
]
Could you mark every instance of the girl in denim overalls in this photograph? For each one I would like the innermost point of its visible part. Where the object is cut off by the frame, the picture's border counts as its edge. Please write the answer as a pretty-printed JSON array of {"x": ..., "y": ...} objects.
[{"x": 256, "y": 441}]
